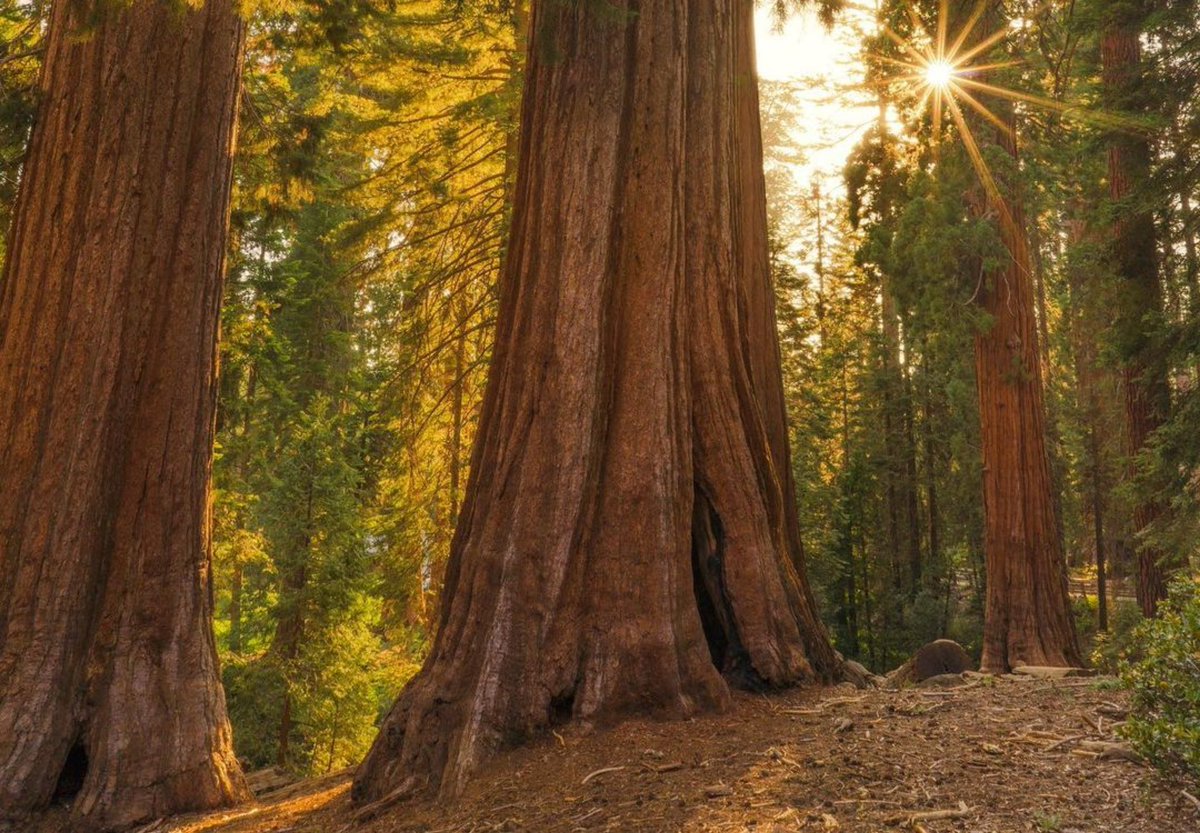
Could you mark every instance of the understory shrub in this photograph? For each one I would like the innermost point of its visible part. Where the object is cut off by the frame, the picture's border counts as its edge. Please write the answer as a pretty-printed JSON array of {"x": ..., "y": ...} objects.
[
  {"x": 1164, "y": 722},
  {"x": 1118, "y": 645}
]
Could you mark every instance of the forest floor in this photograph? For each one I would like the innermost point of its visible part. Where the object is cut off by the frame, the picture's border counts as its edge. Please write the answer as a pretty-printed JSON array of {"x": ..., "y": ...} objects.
[{"x": 995, "y": 755}]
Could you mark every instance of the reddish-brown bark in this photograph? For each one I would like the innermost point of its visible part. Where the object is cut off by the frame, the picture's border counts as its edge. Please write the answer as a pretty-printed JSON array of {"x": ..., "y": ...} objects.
[
  {"x": 629, "y": 530},
  {"x": 1135, "y": 260},
  {"x": 108, "y": 321},
  {"x": 1027, "y": 620},
  {"x": 1027, "y": 617}
]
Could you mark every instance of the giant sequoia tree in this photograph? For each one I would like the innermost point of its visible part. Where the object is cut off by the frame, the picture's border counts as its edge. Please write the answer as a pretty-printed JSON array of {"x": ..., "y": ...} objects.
[
  {"x": 1135, "y": 259},
  {"x": 628, "y": 542},
  {"x": 108, "y": 319},
  {"x": 1027, "y": 620}
]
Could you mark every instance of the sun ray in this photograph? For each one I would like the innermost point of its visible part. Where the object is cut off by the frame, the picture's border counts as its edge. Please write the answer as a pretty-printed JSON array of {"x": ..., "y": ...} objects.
[
  {"x": 943, "y": 26},
  {"x": 944, "y": 78},
  {"x": 982, "y": 110},
  {"x": 1099, "y": 118},
  {"x": 1016, "y": 62},
  {"x": 942, "y": 75},
  {"x": 925, "y": 96},
  {"x": 916, "y": 68},
  {"x": 984, "y": 45},
  {"x": 906, "y": 45},
  {"x": 937, "y": 115},
  {"x": 972, "y": 22},
  {"x": 976, "y": 155}
]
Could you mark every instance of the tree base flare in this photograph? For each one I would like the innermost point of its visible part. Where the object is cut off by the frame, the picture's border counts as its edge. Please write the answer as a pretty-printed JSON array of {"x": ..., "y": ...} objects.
[{"x": 629, "y": 542}]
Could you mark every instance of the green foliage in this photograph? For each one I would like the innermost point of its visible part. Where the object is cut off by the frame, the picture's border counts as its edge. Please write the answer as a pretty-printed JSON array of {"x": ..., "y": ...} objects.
[
  {"x": 1164, "y": 678},
  {"x": 1048, "y": 822},
  {"x": 334, "y": 688},
  {"x": 369, "y": 215},
  {"x": 20, "y": 60},
  {"x": 1119, "y": 643}
]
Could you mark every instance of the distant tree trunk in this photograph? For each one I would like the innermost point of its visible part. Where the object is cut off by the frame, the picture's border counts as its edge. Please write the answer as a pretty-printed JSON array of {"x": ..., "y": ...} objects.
[
  {"x": 932, "y": 459},
  {"x": 238, "y": 579},
  {"x": 455, "y": 444},
  {"x": 1083, "y": 311},
  {"x": 235, "y": 610},
  {"x": 1027, "y": 620},
  {"x": 629, "y": 530},
  {"x": 108, "y": 323},
  {"x": 1101, "y": 567},
  {"x": 1053, "y": 433},
  {"x": 1090, "y": 403},
  {"x": 1135, "y": 258},
  {"x": 904, "y": 530},
  {"x": 290, "y": 621},
  {"x": 1191, "y": 256}
]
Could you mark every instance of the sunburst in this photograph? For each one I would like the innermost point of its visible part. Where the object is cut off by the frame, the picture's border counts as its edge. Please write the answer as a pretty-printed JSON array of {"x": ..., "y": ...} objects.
[{"x": 947, "y": 75}]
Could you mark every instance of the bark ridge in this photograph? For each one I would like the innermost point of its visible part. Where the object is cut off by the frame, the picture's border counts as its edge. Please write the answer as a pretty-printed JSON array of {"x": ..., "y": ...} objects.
[
  {"x": 629, "y": 540},
  {"x": 108, "y": 322}
]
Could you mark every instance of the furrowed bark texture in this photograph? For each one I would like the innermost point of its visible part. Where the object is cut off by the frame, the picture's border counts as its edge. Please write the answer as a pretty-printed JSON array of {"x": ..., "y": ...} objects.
[
  {"x": 1027, "y": 618},
  {"x": 1135, "y": 259},
  {"x": 108, "y": 322},
  {"x": 628, "y": 542}
]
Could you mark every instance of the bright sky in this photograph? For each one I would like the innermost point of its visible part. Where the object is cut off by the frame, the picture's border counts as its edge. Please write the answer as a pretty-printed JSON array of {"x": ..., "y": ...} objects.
[{"x": 828, "y": 64}]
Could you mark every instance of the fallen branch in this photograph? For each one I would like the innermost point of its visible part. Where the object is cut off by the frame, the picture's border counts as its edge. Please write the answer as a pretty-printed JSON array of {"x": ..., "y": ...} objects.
[
  {"x": 266, "y": 780},
  {"x": 1195, "y": 801},
  {"x": 406, "y": 789},
  {"x": 1063, "y": 742},
  {"x": 833, "y": 701},
  {"x": 717, "y": 791},
  {"x": 842, "y": 701},
  {"x": 598, "y": 772},
  {"x": 912, "y": 819},
  {"x": 659, "y": 769},
  {"x": 1106, "y": 750}
]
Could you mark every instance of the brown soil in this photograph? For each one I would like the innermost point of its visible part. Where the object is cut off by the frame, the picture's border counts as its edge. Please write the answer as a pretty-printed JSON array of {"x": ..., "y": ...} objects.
[{"x": 816, "y": 760}]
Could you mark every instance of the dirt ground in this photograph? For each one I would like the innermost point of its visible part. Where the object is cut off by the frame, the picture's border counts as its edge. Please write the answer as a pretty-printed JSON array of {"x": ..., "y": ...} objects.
[{"x": 994, "y": 756}]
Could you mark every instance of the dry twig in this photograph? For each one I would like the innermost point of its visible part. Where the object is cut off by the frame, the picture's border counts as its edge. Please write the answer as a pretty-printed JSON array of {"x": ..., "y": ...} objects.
[
  {"x": 601, "y": 771},
  {"x": 1195, "y": 801}
]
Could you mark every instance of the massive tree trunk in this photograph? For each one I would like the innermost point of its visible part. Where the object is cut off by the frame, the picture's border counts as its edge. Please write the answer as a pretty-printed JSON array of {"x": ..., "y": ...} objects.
[
  {"x": 629, "y": 541},
  {"x": 1027, "y": 620},
  {"x": 108, "y": 322},
  {"x": 1028, "y": 615},
  {"x": 1135, "y": 260}
]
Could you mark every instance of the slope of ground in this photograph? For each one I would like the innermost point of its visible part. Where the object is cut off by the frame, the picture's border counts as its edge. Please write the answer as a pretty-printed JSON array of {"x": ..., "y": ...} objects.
[{"x": 994, "y": 756}]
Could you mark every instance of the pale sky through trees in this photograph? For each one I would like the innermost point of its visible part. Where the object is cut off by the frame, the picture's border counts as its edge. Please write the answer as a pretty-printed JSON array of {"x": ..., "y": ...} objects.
[{"x": 837, "y": 108}]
